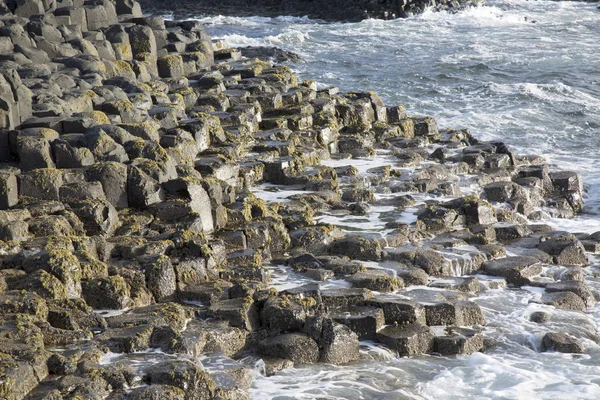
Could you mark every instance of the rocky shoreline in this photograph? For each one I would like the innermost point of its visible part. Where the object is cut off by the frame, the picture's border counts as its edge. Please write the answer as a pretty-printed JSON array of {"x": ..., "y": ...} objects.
[
  {"x": 144, "y": 195},
  {"x": 331, "y": 10}
]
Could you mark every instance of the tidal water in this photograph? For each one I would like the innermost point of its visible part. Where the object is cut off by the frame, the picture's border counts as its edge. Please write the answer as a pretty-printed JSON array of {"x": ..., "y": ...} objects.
[{"x": 525, "y": 72}]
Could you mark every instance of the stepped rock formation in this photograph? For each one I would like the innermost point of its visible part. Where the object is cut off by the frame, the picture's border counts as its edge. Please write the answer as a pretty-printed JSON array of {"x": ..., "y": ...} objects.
[{"x": 132, "y": 216}]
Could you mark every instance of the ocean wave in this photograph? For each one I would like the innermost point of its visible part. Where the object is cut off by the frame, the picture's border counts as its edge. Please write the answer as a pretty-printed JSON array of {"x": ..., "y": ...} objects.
[
  {"x": 255, "y": 21},
  {"x": 488, "y": 16},
  {"x": 485, "y": 376},
  {"x": 549, "y": 92},
  {"x": 288, "y": 39}
]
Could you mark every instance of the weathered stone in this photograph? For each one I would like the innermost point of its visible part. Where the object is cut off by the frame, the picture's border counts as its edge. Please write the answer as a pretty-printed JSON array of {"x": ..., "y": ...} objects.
[
  {"x": 126, "y": 339},
  {"x": 577, "y": 287},
  {"x": 215, "y": 337},
  {"x": 185, "y": 375},
  {"x": 461, "y": 313},
  {"x": 564, "y": 249},
  {"x": 142, "y": 189},
  {"x": 516, "y": 269},
  {"x": 99, "y": 217},
  {"x": 400, "y": 311},
  {"x": 157, "y": 392},
  {"x": 343, "y": 297},
  {"x": 458, "y": 341},
  {"x": 284, "y": 315},
  {"x": 240, "y": 313},
  {"x": 468, "y": 285},
  {"x": 192, "y": 190},
  {"x": 432, "y": 262},
  {"x": 170, "y": 66},
  {"x": 113, "y": 177},
  {"x": 160, "y": 277},
  {"x": 128, "y": 7},
  {"x": 564, "y": 300},
  {"x": 357, "y": 248},
  {"x": 539, "y": 317},
  {"x": 142, "y": 39},
  {"x": 364, "y": 321},
  {"x": 43, "y": 184},
  {"x": 297, "y": 347},
  {"x": 338, "y": 344},
  {"x": 561, "y": 342},
  {"x": 408, "y": 340},
  {"x": 376, "y": 280},
  {"x": 107, "y": 293},
  {"x": 9, "y": 192}
]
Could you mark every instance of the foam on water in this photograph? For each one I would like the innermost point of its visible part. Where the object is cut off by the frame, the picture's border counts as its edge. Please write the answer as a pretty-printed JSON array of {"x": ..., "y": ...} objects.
[{"x": 509, "y": 377}]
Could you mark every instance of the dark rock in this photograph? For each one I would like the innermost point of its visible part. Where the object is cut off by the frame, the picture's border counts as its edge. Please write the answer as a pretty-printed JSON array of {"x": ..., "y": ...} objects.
[
  {"x": 127, "y": 339},
  {"x": 240, "y": 313},
  {"x": 60, "y": 365},
  {"x": 564, "y": 249},
  {"x": 563, "y": 343},
  {"x": 516, "y": 270},
  {"x": 215, "y": 337},
  {"x": 160, "y": 278},
  {"x": 157, "y": 392},
  {"x": 400, "y": 311},
  {"x": 342, "y": 297},
  {"x": 539, "y": 317},
  {"x": 577, "y": 287},
  {"x": 376, "y": 280},
  {"x": 284, "y": 315},
  {"x": 432, "y": 262},
  {"x": 364, "y": 321},
  {"x": 458, "y": 341},
  {"x": 408, "y": 340},
  {"x": 113, "y": 177},
  {"x": 357, "y": 248},
  {"x": 564, "y": 300},
  {"x": 297, "y": 347},
  {"x": 276, "y": 54},
  {"x": 111, "y": 292},
  {"x": 185, "y": 375},
  {"x": 461, "y": 313}
]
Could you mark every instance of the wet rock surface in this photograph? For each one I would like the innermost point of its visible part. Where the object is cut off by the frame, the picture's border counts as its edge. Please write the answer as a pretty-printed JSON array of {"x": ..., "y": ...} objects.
[{"x": 171, "y": 208}]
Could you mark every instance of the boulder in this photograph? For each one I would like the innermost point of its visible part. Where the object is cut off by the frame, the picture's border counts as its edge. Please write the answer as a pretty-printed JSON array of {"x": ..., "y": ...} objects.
[
  {"x": 299, "y": 348},
  {"x": 456, "y": 341},
  {"x": 42, "y": 184},
  {"x": 338, "y": 344},
  {"x": 142, "y": 40},
  {"x": 564, "y": 300},
  {"x": 461, "y": 313},
  {"x": 400, "y": 311},
  {"x": 407, "y": 340},
  {"x": 107, "y": 293},
  {"x": 186, "y": 375},
  {"x": 113, "y": 177},
  {"x": 565, "y": 249},
  {"x": 364, "y": 321},
  {"x": 516, "y": 269},
  {"x": 577, "y": 287},
  {"x": 561, "y": 342}
]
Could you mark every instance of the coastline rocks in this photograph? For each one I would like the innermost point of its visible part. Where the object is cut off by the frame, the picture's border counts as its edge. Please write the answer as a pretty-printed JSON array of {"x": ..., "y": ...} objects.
[{"x": 156, "y": 187}]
